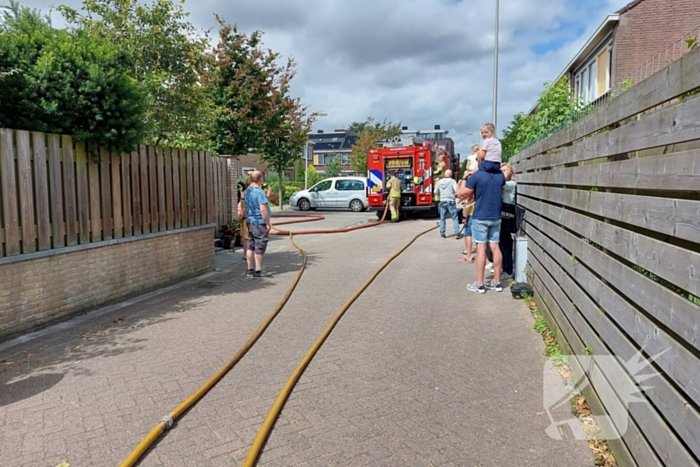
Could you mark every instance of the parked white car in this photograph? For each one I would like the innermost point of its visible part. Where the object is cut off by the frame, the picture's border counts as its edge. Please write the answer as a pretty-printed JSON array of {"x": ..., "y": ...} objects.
[{"x": 336, "y": 192}]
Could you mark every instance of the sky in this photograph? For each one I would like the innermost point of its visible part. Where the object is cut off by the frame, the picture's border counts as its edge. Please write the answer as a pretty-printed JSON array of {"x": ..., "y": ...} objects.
[{"x": 418, "y": 62}]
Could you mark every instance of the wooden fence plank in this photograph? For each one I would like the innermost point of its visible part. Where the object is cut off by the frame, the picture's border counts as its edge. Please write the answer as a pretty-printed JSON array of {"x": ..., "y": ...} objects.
[
  {"x": 671, "y": 404},
  {"x": 95, "y": 200},
  {"x": 191, "y": 199},
  {"x": 145, "y": 192},
  {"x": 224, "y": 216},
  {"x": 83, "y": 192},
  {"x": 210, "y": 189},
  {"x": 674, "y": 217},
  {"x": 634, "y": 442},
  {"x": 543, "y": 298},
  {"x": 177, "y": 188},
  {"x": 217, "y": 187},
  {"x": 69, "y": 189},
  {"x": 670, "y": 262},
  {"x": 126, "y": 195},
  {"x": 196, "y": 193},
  {"x": 668, "y": 172},
  {"x": 170, "y": 216},
  {"x": 117, "y": 214},
  {"x": 676, "y": 312},
  {"x": 8, "y": 189},
  {"x": 41, "y": 192},
  {"x": 56, "y": 191},
  {"x": 153, "y": 185},
  {"x": 160, "y": 172},
  {"x": 136, "y": 192},
  {"x": 681, "y": 76},
  {"x": 672, "y": 125},
  {"x": 106, "y": 194},
  {"x": 26, "y": 191}
]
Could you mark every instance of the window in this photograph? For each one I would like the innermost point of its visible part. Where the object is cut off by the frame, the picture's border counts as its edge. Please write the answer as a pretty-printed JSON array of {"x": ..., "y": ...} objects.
[
  {"x": 349, "y": 185},
  {"x": 323, "y": 186},
  {"x": 592, "y": 80},
  {"x": 345, "y": 159}
]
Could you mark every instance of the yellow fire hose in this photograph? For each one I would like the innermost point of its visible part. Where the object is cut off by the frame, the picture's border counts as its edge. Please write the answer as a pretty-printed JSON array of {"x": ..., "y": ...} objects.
[
  {"x": 167, "y": 421},
  {"x": 287, "y": 390}
]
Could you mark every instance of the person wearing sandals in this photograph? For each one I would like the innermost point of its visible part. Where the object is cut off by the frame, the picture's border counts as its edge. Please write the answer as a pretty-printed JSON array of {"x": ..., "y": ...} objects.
[{"x": 468, "y": 206}]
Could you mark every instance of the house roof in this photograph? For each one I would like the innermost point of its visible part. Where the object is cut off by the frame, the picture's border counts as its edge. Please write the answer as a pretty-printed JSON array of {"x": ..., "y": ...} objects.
[
  {"x": 605, "y": 28},
  {"x": 629, "y": 6}
]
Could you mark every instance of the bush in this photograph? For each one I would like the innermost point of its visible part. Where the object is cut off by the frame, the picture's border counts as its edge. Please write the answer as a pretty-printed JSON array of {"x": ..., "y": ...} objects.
[{"x": 68, "y": 82}]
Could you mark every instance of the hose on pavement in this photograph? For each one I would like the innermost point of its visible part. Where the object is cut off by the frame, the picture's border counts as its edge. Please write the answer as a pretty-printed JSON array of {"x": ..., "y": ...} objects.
[
  {"x": 269, "y": 422},
  {"x": 167, "y": 421}
]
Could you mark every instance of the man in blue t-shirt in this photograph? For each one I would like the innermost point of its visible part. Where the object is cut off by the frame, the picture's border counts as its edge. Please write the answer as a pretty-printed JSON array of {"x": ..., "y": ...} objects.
[
  {"x": 258, "y": 218},
  {"x": 486, "y": 224}
]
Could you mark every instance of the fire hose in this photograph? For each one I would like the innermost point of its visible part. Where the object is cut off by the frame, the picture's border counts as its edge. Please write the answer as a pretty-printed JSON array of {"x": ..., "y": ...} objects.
[{"x": 168, "y": 421}]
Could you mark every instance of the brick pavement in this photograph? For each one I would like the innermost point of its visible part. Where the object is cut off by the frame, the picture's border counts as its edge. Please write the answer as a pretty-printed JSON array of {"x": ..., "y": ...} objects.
[{"x": 410, "y": 376}]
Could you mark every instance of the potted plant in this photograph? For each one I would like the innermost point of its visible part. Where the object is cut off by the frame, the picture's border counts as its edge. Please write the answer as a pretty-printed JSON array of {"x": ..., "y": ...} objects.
[{"x": 230, "y": 235}]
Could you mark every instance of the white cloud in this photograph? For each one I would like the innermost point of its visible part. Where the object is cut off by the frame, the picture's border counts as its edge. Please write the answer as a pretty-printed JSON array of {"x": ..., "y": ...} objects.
[{"x": 421, "y": 62}]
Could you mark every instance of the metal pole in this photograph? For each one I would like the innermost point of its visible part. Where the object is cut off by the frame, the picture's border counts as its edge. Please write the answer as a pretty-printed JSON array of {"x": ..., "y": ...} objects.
[
  {"x": 495, "y": 72},
  {"x": 306, "y": 165}
]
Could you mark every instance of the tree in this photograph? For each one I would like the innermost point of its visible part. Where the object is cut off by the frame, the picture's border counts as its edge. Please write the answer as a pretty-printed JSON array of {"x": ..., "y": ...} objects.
[
  {"x": 312, "y": 176},
  {"x": 299, "y": 171},
  {"x": 254, "y": 108},
  {"x": 333, "y": 167},
  {"x": 167, "y": 57},
  {"x": 555, "y": 110},
  {"x": 241, "y": 80},
  {"x": 355, "y": 128},
  {"x": 371, "y": 133},
  {"x": 69, "y": 82},
  {"x": 286, "y": 125}
]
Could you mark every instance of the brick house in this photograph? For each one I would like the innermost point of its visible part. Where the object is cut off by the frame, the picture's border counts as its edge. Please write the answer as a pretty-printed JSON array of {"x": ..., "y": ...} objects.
[{"x": 625, "y": 41}]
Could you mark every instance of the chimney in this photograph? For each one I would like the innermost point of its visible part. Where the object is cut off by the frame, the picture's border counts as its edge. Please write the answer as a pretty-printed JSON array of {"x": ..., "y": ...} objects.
[
  {"x": 437, "y": 127},
  {"x": 320, "y": 132}
]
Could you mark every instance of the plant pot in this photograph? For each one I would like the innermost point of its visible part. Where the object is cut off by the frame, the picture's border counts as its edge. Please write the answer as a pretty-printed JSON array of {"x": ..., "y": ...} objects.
[
  {"x": 226, "y": 242},
  {"x": 239, "y": 241}
]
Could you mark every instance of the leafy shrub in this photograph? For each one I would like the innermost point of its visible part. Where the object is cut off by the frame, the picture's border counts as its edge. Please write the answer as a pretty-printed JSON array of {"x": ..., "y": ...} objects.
[{"x": 67, "y": 82}]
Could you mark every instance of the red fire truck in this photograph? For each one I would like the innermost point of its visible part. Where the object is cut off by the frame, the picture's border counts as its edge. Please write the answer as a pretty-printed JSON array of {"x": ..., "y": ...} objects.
[{"x": 413, "y": 160}]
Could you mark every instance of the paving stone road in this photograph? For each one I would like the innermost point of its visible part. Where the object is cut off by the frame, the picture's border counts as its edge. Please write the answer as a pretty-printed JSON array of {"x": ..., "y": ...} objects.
[{"x": 418, "y": 372}]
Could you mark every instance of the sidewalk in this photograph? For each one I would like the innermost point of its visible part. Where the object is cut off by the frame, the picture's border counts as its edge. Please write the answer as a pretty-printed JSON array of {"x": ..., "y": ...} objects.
[{"x": 418, "y": 372}]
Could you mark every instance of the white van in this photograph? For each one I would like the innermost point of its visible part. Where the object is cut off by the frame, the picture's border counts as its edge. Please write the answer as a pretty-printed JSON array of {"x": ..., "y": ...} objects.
[{"x": 336, "y": 192}]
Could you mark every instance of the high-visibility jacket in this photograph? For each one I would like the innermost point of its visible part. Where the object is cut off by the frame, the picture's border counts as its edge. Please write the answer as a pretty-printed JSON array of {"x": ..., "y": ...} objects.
[{"x": 393, "y": 186}]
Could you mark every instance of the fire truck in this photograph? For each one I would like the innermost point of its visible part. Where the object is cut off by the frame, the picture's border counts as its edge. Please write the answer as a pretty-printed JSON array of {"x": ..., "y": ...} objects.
[{"x": 413, "y": 161}]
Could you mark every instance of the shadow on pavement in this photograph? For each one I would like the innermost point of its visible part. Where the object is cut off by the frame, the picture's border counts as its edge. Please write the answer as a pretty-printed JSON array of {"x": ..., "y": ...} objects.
[
  {"x": 109, "y": 335},
  {"x": 28, "y": 387}
]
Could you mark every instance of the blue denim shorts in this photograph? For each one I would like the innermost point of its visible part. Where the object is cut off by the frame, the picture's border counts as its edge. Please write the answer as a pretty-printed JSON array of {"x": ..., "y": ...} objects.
[
  {"x": 486, "y": 231},
  {"x": 467, "y": 230}
]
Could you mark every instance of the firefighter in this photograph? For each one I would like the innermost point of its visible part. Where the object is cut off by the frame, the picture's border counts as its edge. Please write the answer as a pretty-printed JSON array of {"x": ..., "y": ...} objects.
[
  {"x": 393, "y": 186},
  {"x": 439, "y": 173}
]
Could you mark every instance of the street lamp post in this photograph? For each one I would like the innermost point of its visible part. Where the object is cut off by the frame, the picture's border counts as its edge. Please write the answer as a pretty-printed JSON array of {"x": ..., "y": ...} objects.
[
  {"x": 307, "y": 153},
  {"x": 495, "y": 70}
]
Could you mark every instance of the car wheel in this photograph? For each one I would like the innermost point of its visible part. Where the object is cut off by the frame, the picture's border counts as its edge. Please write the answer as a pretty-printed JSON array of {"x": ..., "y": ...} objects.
[
  {"x": 356, "y": 205},
  {"x": 304, "y": 204}
]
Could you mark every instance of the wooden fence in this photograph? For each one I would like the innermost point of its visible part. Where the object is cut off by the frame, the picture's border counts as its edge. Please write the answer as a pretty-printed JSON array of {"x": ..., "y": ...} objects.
[
  {"x": 613, "y": 226},
  {"x": 53, "y": 195}
]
